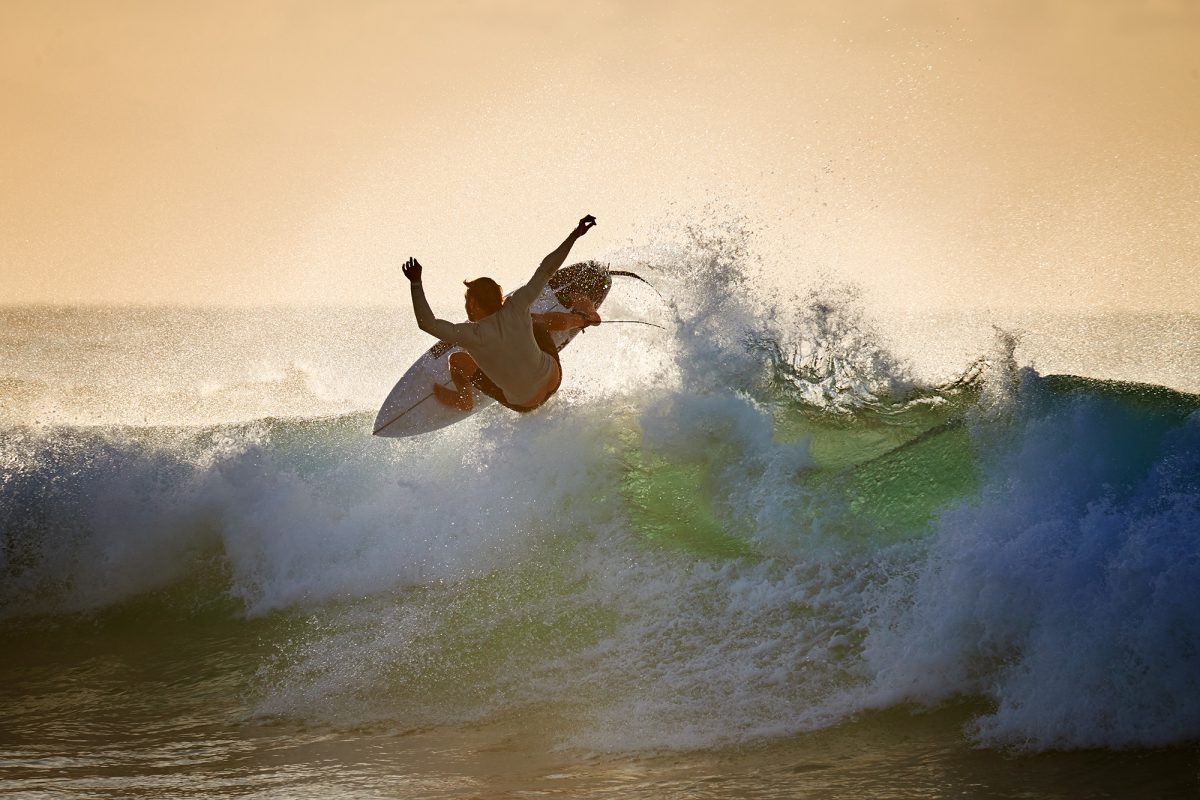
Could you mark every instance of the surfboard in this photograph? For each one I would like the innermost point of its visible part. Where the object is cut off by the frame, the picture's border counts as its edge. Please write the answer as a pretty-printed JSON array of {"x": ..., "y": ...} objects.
[{"x": 411, "y": 408}]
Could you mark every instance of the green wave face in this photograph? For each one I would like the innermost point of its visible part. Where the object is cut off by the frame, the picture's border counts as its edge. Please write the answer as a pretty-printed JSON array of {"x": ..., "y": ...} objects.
[
  {"x": 669, "y": 506},
  {"x": 889, "y": 468}
]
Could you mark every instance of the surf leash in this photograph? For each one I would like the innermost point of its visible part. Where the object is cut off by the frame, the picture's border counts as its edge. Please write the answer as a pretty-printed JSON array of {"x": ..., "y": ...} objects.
[{"x": 630, "y": 322}]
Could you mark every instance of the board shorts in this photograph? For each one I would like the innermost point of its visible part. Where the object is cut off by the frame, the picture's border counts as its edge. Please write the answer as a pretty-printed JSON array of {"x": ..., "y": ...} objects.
[{"x": 546, "y": 344}]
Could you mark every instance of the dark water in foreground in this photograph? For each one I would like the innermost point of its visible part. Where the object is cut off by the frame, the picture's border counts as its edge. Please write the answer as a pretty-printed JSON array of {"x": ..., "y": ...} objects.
[
  {"x": 764, "y": 559},
  {"x": 143, "y": 713},
  {"x": 129, "y": 709}
]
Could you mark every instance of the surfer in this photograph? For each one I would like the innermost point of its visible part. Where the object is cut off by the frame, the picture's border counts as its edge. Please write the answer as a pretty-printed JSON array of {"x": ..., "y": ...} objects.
[{"x": 510, "y": 355}]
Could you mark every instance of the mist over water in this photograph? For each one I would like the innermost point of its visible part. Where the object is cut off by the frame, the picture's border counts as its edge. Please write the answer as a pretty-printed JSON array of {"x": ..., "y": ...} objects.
[{"x": 769, "y": 521}]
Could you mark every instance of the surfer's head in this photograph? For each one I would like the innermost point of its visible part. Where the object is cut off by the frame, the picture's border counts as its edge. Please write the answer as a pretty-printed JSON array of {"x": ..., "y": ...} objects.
[{"x": 483, "y": 298}]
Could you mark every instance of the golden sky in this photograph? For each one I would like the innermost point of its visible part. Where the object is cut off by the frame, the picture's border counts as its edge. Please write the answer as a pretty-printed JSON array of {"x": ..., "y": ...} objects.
[{"x": 940, "y": 154}]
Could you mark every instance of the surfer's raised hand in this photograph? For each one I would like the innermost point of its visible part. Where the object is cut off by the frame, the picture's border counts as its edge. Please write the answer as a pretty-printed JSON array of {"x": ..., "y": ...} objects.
[
  {"x": 412, "y": 270},
  {"x": 584, "y": 225}
]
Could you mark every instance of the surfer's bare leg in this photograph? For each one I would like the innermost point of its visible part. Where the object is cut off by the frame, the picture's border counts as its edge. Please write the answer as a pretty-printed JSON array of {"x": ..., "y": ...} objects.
[
  {"x": 583, "y": 313},
  {"x": 462, "y": 369},
  {"x": 583, "y": 306},
  {"x": 560, "y": 321}
]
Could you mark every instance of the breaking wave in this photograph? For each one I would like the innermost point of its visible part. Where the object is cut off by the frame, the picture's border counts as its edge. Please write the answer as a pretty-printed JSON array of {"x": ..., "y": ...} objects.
[{"x": 767, "y": 526}]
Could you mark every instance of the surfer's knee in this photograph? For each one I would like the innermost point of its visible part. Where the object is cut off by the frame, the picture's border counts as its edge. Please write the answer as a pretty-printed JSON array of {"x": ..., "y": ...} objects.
[{"x": 462, "y": 364}]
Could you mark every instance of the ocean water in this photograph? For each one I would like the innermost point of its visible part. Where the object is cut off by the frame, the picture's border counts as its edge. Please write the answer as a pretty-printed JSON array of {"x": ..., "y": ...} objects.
[{"x": 786, "y": 548}]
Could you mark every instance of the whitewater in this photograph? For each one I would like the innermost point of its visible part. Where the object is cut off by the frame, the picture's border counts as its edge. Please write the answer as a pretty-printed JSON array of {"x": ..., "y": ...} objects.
[{"x": 764, "y": 552}]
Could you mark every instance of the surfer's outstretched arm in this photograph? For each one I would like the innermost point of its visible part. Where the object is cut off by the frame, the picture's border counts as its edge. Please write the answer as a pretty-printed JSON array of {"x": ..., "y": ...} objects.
[
  {"x": 550, "y": 264},
  {"x": 426, "y": 321}
]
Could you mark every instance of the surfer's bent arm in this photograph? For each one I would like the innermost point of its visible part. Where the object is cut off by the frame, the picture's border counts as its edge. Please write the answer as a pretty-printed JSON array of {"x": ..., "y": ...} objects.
[
  {"x": 426, "y": 321},
  {"x": 550, "y": 264}
]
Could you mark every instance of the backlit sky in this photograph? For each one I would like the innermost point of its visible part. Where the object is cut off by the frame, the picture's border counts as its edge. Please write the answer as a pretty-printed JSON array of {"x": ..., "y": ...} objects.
[{"x": 1019, "y": 154}]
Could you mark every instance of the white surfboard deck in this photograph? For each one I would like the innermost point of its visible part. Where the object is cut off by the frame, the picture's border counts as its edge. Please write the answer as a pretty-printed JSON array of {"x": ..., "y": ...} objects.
[{"x": 412, "y": 409}]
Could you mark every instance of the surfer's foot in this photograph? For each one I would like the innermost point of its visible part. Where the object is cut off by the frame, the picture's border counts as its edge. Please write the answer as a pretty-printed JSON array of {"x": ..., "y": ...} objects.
[{"x": 461, "y": 400}]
